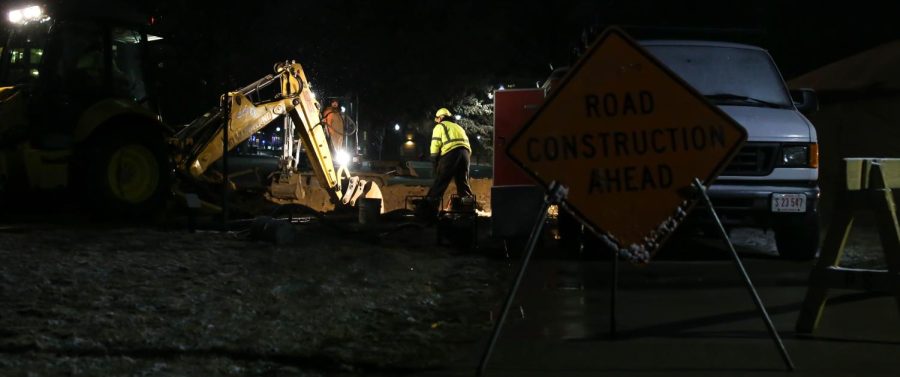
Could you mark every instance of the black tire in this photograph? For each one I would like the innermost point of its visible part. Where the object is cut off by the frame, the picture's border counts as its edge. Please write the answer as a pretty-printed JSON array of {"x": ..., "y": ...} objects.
[
  {"x": 799, "y": 242},
  {"x": 124, "y": 171}
]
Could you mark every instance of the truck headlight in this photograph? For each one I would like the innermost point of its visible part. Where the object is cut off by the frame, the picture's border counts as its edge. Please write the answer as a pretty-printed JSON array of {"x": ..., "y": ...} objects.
[{"x": 795, "y": 156}]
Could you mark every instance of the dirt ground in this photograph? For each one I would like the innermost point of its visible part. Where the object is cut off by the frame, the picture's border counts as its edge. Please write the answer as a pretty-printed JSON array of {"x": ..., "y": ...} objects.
[
  {"x": 83, "y": 300},
  {"x": 131, "y": 301}
]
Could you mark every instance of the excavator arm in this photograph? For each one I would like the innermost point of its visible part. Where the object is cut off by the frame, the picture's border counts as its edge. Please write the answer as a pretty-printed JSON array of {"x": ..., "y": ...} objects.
[{"x": 200, "y": 143}]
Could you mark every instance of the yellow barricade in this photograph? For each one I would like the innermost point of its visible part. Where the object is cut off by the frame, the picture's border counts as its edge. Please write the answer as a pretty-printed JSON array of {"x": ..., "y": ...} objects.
[{"x": 869, "y": 188}]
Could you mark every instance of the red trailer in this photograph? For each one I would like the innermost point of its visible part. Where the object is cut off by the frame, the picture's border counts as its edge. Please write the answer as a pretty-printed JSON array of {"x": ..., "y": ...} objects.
[{"x": 515, "y": 197}]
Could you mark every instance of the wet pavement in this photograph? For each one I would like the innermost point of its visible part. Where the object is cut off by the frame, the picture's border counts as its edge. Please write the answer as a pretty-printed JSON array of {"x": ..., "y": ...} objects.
[{"x": 691, "y": 316}]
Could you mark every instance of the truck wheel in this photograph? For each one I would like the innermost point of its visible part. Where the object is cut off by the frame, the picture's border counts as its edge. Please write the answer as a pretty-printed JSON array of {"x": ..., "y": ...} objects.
[
  {"x": 126, "y": 171},
  {"x": 799, "y": 242}
]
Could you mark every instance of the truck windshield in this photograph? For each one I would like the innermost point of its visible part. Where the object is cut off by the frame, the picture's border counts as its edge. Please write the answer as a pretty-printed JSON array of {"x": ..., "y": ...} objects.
[
  {"x": 727, "y": 75},
  {"x": 22, "y": 52}
]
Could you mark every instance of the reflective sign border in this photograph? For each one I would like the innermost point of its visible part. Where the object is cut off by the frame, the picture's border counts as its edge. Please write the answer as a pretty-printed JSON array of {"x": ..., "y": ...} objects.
[{"x": 573, "y": 72}]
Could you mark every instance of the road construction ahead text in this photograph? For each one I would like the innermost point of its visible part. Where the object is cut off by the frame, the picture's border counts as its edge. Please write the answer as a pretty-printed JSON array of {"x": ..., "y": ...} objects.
[{"x": 609, "y": 148}]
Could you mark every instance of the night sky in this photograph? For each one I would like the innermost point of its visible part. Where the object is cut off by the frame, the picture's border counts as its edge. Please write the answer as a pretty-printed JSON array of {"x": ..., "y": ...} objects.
[{"x": 403, "y": 59}]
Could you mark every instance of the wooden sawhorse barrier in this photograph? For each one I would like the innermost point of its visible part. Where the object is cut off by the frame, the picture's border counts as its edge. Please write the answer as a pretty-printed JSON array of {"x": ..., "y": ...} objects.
[{"x": 869, "y": 184}]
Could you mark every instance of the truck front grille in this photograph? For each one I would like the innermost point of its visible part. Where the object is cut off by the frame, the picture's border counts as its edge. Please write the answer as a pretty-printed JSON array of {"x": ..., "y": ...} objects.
[{"x": 753, "y": 159}]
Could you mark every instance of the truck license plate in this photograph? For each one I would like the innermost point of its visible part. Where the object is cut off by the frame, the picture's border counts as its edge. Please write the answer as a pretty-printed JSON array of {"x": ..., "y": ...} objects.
[{"x": 788, "y": 203}]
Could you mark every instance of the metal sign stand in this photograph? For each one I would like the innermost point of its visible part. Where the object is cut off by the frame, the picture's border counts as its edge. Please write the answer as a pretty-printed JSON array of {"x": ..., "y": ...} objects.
[
  {"x": 555, "y": 195},
  {"x": 613, "y": 292},
  {"x": 701, "y": 190},
  {"x": 226, "y": 106}
]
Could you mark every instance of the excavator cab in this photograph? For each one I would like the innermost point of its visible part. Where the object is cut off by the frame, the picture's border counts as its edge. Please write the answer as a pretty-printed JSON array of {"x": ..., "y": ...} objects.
[{"x": 75, "y": 107}]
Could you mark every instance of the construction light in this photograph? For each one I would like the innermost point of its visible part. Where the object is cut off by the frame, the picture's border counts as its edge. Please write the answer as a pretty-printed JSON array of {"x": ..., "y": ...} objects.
[
  {"x": 16, "y": 16},
  {"x": 32, "y": 13},
  {"x": 25, "y": 15},
  {"x": 342, "y": 158}
]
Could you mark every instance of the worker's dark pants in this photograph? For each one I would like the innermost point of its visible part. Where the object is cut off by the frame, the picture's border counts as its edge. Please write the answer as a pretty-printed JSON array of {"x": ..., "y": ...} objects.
[{"x": 453, "y": 165}]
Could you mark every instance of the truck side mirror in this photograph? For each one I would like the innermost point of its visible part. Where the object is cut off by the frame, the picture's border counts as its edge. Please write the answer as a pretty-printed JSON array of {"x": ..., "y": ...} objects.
[{"x": 806, "y": 100}]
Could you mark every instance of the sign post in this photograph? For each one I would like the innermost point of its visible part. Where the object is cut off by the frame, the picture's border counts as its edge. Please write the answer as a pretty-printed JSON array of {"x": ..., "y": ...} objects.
[
  {"x": 632, "y": 143},
  {"x": 737, "y": 261}
]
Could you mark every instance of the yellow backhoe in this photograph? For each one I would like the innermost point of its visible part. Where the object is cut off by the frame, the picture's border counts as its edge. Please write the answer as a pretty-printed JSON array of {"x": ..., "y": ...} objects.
[
  {"x": 246, "y": 111},
  {"x": 77, "y": 115}
]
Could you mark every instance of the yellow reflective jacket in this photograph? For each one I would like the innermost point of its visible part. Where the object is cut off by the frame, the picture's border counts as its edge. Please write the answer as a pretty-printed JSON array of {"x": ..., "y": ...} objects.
[{"x": 448, "y": 136}]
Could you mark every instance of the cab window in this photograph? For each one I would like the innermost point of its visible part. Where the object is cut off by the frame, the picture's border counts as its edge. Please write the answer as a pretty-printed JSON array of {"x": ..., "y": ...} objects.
[
  {"x": 127, "y": 68},
  {"x": 81, "y": 63},
  {"x": 22, "y": 56}
]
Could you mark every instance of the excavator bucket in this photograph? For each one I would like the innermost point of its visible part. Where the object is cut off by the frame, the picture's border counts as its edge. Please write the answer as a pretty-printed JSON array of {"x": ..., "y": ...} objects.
[
  {"x": 289, "y": 189},
  {"x": 358, "y": 188},
  {"x": 303, "y": 189}
]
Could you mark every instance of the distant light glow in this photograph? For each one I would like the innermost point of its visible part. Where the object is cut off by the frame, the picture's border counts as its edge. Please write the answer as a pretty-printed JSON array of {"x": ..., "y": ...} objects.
[
  {"x": 502, "y": 87},
  {"x": 277, "y": 129},
  {"x": 457, "y": 117},
  {"x": 397, "y": 127},
  {"x": 342, "y": 158},
  {"x": 490, "y": 95},
  {"x": 478, "y": 137},
  {"x": 410, "y": 142},
  {"x": 343, "y": 109},
  {"x": 35, "y": 72},
  {"x": 151, "y": 38}
]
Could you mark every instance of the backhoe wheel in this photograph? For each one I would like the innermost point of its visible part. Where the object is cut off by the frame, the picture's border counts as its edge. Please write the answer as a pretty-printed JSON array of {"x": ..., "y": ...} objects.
[{"x": 127, "y": 171}]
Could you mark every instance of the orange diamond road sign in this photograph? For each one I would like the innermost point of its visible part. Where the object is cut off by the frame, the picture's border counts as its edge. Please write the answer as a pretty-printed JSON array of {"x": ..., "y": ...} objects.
[{"x": 627, "y": 137}]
